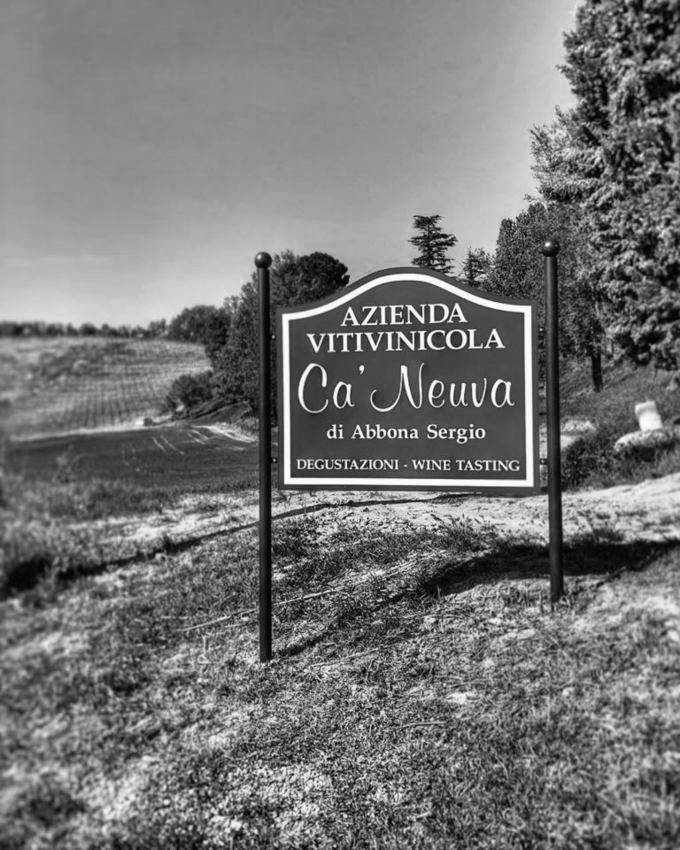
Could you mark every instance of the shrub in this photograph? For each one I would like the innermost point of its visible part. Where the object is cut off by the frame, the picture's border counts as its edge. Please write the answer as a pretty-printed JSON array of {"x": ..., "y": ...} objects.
[
  {"x": 591, "y": 461},
  {"x": 188, "y": 391},
  {"x": 590, "y": 457},
  {"x": 201, "y": 323}
]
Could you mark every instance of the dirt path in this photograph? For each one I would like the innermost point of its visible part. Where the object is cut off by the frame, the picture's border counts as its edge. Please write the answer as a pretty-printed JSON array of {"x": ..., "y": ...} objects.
[{"x": 648, "y": 512}]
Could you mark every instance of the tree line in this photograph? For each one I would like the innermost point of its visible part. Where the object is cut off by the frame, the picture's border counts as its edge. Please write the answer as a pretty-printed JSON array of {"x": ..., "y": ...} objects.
[
  {"x": 608, "y": 175},
  {"x": 153, "y": 330}
]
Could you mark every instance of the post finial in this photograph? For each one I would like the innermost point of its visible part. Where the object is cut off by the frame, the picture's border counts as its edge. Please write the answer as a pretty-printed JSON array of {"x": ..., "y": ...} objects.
[
  {"x": 551, "y": 248},
  {"x": 263, "y": 260}
]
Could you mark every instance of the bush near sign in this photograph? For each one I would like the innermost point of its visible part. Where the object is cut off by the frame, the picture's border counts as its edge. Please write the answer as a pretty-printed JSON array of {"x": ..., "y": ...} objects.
[{"x": 408, "y": 379}]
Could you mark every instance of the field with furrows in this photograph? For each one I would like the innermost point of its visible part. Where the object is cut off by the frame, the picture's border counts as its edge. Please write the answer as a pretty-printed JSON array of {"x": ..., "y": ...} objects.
[{"x": 66, "y": 385}]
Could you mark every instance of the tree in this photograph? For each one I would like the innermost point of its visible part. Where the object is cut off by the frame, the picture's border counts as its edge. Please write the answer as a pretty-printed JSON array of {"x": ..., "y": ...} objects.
[
  {"x": 518, "y": 272},
  {"x": 189, "y": 391},
  {"x": 432, "y": 243},
  {"x": 616, "y": 157},
  {"x": 294, "y": 280},
  {"x": 476, "y": 266},
  {"x": 194, "y": 324},
  {"x": 216, "y": 334},
  {"x": 157, "y": 329}
]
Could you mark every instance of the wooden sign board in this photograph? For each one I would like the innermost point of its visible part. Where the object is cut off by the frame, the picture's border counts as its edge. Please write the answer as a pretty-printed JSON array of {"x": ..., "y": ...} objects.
[{"x": 408, "y": 379}]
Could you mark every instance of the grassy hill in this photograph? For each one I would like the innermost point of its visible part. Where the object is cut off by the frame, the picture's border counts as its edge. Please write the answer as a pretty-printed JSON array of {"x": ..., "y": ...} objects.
[{"x": 423, "y": 693}]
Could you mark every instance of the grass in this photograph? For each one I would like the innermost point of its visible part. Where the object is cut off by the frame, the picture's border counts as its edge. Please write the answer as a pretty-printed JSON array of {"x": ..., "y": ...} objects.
[
  {"x": 404, "y": 709},
  {"x": 172, "y": 459},
  {"x": 34, "y": 541},
  {"x": 52, "y": 530},
  {"x": 590, "y": 461},
  {"x": 76, "y": 500},
  {"x": 624, "y": 387},
  {"x": 423, "y": 694}
]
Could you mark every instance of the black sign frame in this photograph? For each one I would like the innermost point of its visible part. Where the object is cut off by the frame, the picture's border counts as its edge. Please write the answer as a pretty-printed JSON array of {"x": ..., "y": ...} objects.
[{"x": 286, "y": 318}]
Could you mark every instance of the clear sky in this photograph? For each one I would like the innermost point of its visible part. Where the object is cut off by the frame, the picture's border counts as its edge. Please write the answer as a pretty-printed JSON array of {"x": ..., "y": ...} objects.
[{"x": 150, "y": 148}]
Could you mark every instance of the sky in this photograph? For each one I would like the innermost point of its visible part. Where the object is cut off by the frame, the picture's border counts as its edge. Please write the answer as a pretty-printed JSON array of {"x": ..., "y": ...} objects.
[{"x": 150, "y": 148}]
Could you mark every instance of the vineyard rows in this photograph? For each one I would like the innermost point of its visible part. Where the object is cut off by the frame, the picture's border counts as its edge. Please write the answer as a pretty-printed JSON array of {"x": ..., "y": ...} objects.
[{"x": 54, "y": 386}]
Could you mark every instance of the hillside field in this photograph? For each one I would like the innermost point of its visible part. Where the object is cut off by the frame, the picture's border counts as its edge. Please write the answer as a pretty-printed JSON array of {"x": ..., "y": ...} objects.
[
  {"x": 75, "y": 408},
  {"x": 423, "y": 694},
  {"x": 63, "y": 385}
]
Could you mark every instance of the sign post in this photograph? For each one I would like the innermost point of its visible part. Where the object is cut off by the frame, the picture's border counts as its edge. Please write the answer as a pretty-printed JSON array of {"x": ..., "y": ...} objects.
[
  {"x": 263, "y": 261},
  {"x": 550, "y": 251},
  {"x": 406, "y": 380}
]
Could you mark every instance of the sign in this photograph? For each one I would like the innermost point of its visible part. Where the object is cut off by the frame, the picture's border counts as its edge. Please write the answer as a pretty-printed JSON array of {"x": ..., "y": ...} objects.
[{"x": 408, "y": 379}]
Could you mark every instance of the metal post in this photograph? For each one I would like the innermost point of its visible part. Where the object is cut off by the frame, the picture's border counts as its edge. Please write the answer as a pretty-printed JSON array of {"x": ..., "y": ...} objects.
[
  {"x": 550, "y": 252},
  {"x": 263, "y": 261}
]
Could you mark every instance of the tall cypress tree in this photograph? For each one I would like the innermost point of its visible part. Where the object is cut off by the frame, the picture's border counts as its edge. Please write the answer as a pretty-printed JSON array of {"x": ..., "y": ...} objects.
[
  {"x": 432, "y": 243},
  {"x": 616, "y": 156}
]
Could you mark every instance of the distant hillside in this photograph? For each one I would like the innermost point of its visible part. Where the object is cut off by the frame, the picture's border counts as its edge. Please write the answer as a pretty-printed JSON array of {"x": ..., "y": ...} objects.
[{"x": 60, "y": 385}]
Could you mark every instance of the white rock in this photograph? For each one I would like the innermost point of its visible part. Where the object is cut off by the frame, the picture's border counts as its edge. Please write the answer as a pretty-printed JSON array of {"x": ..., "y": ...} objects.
[{"x": 648, "y": 416}]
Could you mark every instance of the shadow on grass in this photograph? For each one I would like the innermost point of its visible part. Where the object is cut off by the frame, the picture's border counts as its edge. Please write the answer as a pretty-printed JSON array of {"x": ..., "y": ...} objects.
[
  {"x": 26, "y": 574},
  {"x": 587, "y": 555},
  {"x": 582, "y": 556}
]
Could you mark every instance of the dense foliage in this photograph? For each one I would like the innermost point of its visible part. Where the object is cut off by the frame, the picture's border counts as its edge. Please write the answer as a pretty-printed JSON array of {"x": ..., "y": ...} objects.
[
  {"x": 203, "y": 323},
  {"x": 189, "y": 391},
  {"x": 519, "y": 272},
  {"x": 615, "y": 157},
  {"x": 432, "y": 243},
  {"x": 294, "y": 280},
  {"x": 476, "y": 266}
]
